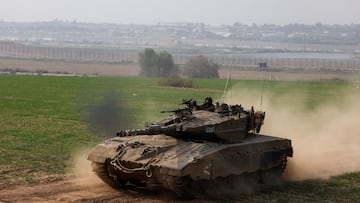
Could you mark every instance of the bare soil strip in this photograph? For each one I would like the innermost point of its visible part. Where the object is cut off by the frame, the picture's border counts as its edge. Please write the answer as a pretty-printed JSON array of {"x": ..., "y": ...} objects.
[{"x": 77, "y": 190}]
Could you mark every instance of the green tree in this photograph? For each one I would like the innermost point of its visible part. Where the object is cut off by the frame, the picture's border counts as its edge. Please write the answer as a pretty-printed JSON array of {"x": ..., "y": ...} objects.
[
  {"x": 201, "y": 67},
  {"x": 148, "y": 60},
  {"x": 156, "y": 65},
  {"x": 166, "y": 66}
]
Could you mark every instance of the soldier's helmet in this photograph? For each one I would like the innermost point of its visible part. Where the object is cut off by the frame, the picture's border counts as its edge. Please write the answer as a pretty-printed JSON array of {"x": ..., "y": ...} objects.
[{"x": 208, "y": 100}]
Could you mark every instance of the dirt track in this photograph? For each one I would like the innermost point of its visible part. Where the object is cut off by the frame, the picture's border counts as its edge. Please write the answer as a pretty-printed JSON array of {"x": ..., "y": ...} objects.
[
  {"x": 79, "y": 185},
  {"x": 79, "y": 191}
]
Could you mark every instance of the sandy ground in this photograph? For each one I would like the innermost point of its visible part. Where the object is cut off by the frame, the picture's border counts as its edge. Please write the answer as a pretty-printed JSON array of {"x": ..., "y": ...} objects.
[
  {"x": 78, "y": 190},
  {"x": 80, "y": 184}
]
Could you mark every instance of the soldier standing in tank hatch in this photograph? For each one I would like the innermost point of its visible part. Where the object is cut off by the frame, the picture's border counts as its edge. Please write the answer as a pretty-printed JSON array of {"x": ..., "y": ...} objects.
[{"x": 208, "y": 105}]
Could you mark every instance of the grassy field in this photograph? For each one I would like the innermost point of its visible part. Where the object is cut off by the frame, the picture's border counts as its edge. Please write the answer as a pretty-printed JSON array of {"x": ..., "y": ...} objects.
[{"x": 44, "y": 120}]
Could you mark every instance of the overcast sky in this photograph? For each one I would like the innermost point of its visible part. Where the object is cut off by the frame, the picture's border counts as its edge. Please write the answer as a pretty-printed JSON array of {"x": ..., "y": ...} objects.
[{"x": 207, "y": 11}]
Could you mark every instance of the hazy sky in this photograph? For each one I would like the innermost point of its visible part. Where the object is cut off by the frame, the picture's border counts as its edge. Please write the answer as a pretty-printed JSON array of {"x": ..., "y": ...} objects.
[{"x": 208, "y": 11}]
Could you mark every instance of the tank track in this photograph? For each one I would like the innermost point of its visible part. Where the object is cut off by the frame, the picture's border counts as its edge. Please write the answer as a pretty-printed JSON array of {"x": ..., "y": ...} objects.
[
  {"x": 102, "y": 172},
  {"x": 185, "y": 187},
  {"x": 245, "y": 183},
  {"x": 220, "y": 187}
]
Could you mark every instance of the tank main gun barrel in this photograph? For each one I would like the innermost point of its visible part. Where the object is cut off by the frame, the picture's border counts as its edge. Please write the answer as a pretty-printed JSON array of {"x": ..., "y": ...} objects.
[{"x": 149, "y": 130}]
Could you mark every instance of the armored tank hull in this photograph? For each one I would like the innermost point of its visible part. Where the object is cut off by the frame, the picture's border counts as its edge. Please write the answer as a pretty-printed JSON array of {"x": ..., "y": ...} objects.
[
  {"x": 191, "y": 168},
  {"x": 197, "y": 151}
]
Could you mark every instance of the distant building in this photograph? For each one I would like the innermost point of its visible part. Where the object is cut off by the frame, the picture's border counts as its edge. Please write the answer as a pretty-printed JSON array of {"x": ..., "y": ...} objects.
[{"x": 263, "y": 66}]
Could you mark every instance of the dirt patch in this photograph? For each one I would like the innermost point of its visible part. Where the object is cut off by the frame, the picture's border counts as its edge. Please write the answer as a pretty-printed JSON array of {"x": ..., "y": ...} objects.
[
  {"x": 83, "y": 190},
  {"x": 125, "y": 70},
  {"x": 69, "y": 191},
  {"x": 80, "y": 184}
]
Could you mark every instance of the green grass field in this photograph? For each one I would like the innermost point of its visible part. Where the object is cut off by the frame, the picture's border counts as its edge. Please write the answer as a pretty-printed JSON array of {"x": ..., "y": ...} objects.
[{"x": 44, "y": 120}]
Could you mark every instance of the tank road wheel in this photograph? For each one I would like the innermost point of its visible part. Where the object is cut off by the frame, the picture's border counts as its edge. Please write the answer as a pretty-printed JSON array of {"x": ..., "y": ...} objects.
[
  {"x": 101, "y": 171},
  {"x": 233, "y": 185},
  {"x": 181, "y": 186},
  {"x": 272, "y": 176},
  {"x": 197, "y": 188},
  {"x": 203, "y": 188},
  {"x": 224, "y": 186}
]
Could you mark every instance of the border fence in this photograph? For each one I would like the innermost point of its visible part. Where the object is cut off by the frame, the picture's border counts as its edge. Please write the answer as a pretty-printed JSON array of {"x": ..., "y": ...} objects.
[{"x": 17, "y": 50}]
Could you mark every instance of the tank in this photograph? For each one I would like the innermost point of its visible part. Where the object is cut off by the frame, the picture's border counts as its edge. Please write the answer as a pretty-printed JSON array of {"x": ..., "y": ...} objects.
[{"x": 196, "y": 151}]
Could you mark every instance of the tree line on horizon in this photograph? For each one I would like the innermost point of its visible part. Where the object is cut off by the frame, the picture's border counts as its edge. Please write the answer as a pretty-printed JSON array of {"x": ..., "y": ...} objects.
[{"x": 154, "y": 64}]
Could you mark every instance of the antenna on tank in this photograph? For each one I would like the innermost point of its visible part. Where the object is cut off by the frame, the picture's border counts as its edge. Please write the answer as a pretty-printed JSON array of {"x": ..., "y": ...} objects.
[
  {"x": 228, "y": 81},
  {"x": 263, "y": 67},
  {"x": 262, "y": 93}
]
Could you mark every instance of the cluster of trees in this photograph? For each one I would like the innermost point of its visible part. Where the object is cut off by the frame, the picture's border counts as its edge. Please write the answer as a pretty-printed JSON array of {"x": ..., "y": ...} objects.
[
  {"x": 201, "y": 67},
  {"x": 156, "y": 64},
  {"x": 162, "y": 65}
]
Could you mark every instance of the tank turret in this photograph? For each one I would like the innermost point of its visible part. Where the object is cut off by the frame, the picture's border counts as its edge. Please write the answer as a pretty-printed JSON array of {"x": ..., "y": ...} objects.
[{"x": 223, "y": 123}]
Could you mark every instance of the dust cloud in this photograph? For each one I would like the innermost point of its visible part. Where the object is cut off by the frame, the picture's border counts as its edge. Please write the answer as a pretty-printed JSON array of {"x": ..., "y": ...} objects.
[
  {"x": 326, "y": 140},
  {"x": 81, "y": 170}
]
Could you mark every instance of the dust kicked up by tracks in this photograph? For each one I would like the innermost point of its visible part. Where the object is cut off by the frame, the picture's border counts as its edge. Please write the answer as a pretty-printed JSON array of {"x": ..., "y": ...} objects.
[
  {"x": 57, "y": 191},
  {"x": 325, "y": 139},
  {"x": 79, "y": 185}
]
